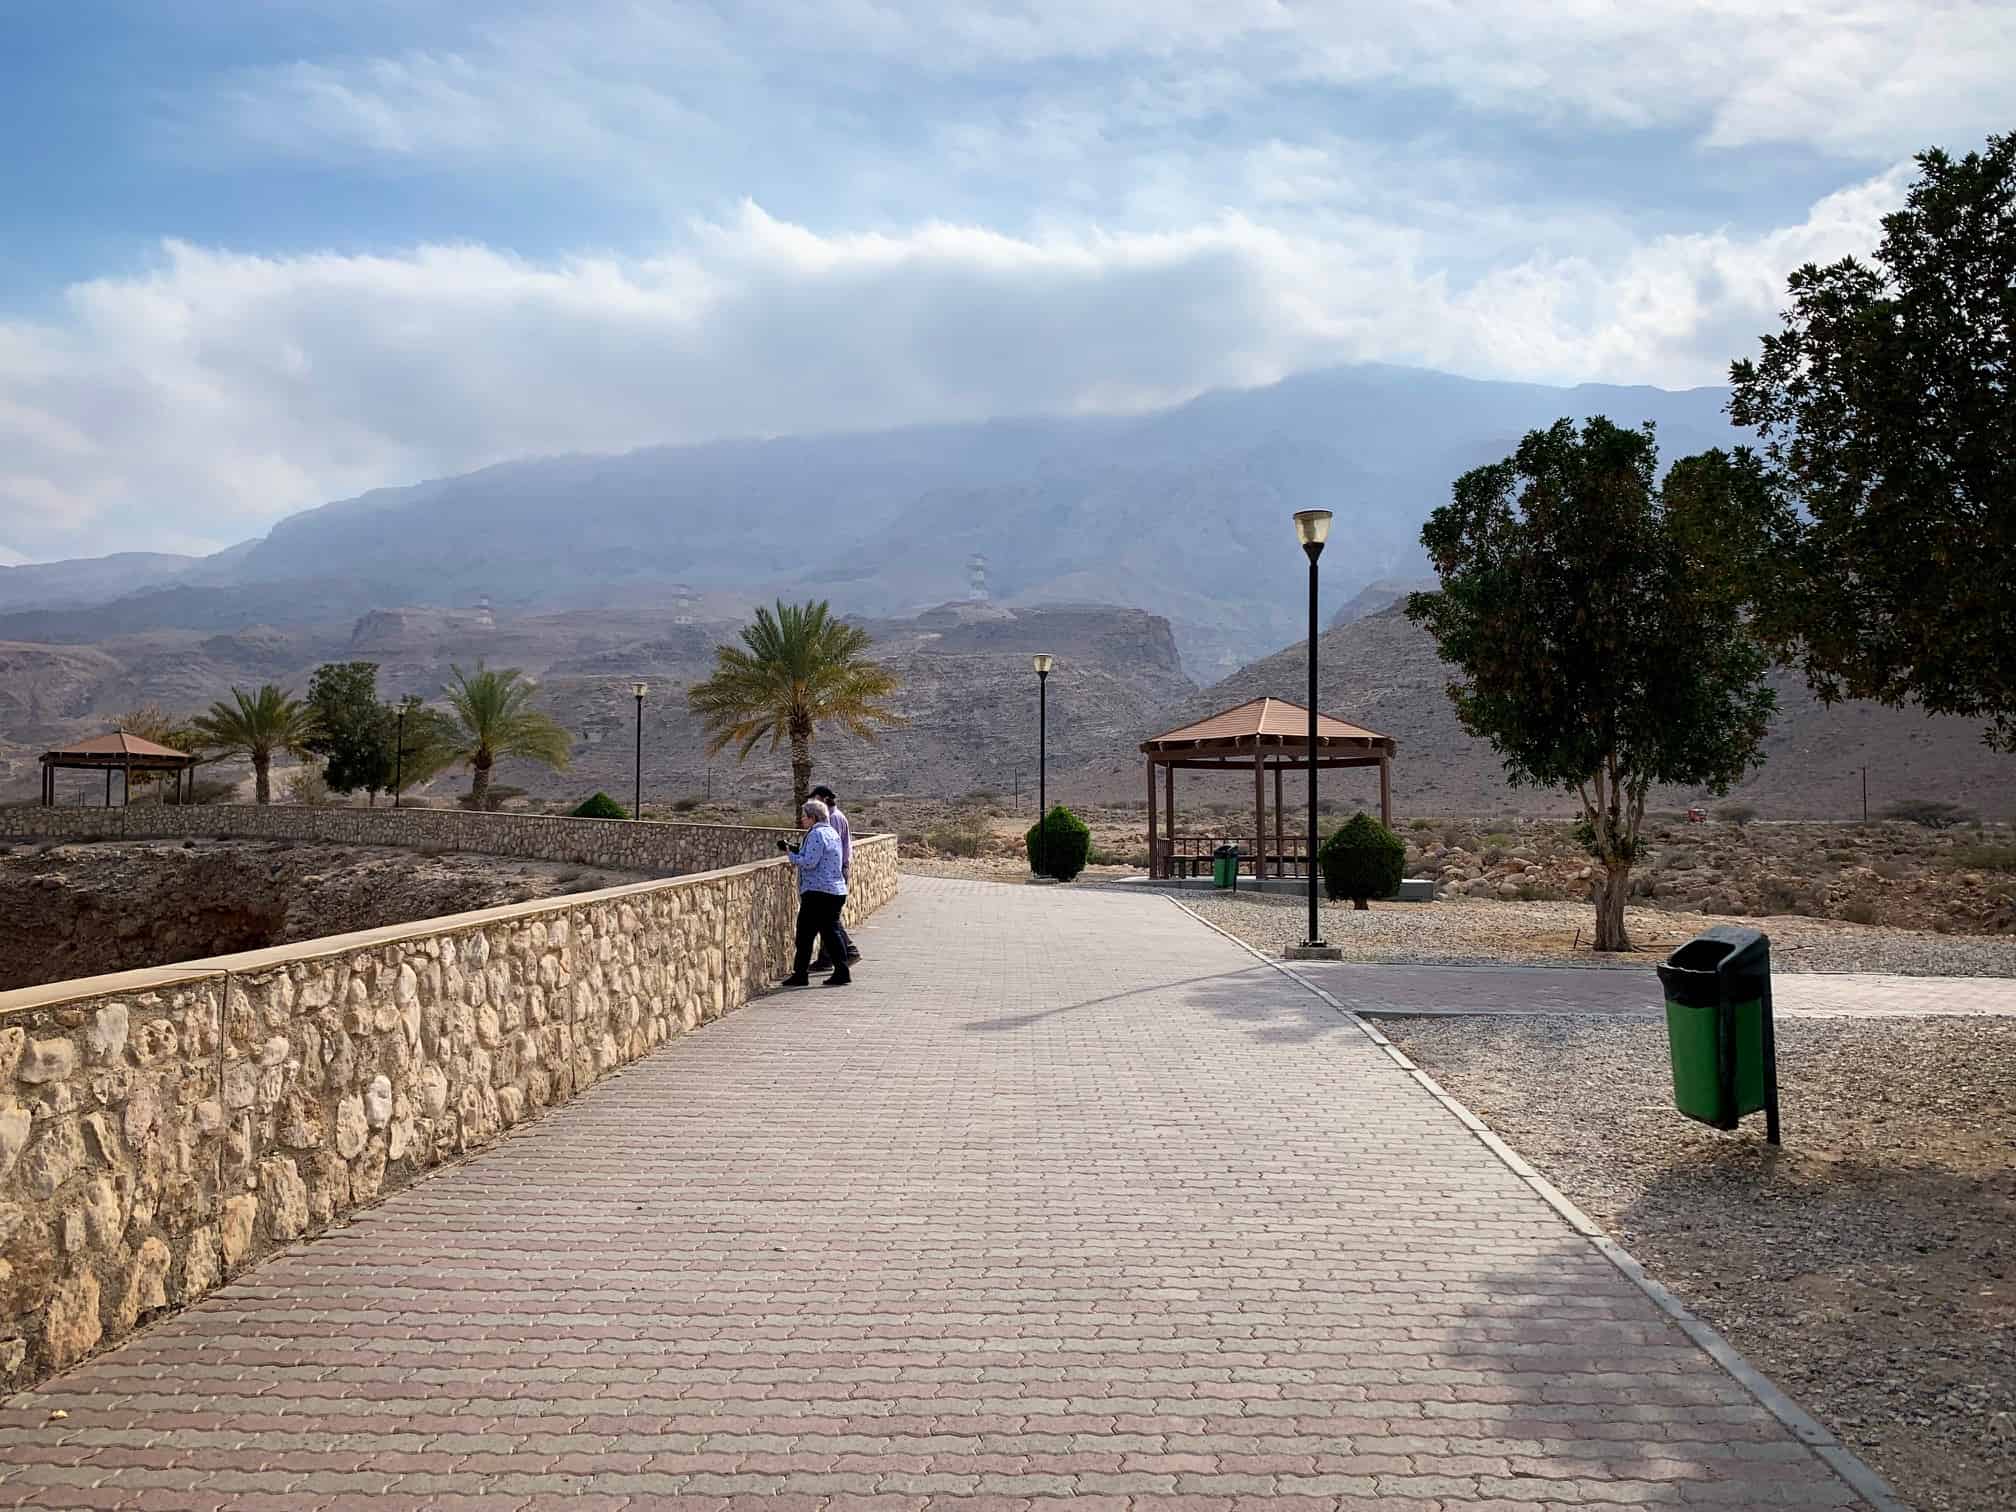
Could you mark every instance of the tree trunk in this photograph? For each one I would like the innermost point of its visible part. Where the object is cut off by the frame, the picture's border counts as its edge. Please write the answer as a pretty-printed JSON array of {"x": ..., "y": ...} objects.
[
  {"x": 801, "y": 766},
  {"x": 479, "y": 781},
  {"x": 1613, "y": 886},
  {"x": 1360, "y": 905},
  {"x": 262, "y": 782}
]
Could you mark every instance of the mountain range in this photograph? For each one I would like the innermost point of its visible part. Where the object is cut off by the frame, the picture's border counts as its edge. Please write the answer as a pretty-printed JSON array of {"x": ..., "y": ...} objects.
[
  {"x": 1151, "y": 554},
  {"x": 1182, "y": 512}
]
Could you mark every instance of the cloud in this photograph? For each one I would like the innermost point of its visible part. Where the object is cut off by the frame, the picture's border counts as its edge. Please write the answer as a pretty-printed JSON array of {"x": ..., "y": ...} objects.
[
  {"x": 226, "y": 389},
  {"x": 595, "y": 85}
]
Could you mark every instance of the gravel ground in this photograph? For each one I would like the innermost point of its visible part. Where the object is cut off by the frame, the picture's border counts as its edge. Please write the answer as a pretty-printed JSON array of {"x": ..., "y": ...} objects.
[
  {"x": 1869, "y": 1267},
  {"x": 1474, "y": 931}
]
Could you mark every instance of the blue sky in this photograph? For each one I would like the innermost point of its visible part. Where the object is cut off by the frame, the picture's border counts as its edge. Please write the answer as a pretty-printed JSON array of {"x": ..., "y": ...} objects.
[{"x": 258, "y": 256}]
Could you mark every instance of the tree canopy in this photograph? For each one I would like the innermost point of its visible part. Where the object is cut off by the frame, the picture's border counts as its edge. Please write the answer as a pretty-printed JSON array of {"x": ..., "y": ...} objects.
[
  {"x": 353, "y": 730},
  {"x": 797, "y": 668},
  {"x": 1880, "y": 556},
  {"x": 1593, "y": 651},
  {"x": 257, "y": 726},
  {"x": 494, "y": 718}
]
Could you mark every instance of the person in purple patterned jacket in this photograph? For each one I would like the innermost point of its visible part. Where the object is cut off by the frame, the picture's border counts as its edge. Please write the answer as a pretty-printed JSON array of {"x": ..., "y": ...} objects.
[{"x": 838, "y": 820}]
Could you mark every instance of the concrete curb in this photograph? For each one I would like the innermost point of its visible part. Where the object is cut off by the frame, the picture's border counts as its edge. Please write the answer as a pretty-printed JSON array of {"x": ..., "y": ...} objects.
[{"x": 1858, "y": 1475}]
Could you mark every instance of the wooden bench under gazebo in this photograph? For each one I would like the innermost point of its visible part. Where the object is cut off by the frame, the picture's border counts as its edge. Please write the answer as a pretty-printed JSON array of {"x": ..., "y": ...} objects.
[
  {"x": 1266, "y": 733},
  {"x": 122, "y": 753}
]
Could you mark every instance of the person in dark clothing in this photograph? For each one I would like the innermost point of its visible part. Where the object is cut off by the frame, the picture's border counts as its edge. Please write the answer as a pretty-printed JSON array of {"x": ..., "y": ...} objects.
[
  {"x": 838, "y": 820},
  {"x": 822, "y": 892}
]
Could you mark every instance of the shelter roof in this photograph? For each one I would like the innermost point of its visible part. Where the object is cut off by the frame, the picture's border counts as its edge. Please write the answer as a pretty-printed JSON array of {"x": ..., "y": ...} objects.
[
  {"x": 1265, "y": 721},
  {"x": 118, "y": 749}
]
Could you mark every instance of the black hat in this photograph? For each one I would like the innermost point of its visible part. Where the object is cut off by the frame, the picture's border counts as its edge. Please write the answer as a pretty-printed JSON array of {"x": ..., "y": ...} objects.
[{"x": 825, "y": 794}]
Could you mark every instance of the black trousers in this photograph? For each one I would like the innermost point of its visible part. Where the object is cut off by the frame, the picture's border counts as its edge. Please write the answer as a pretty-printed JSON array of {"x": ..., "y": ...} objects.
[{"x": 819, "y": 918}]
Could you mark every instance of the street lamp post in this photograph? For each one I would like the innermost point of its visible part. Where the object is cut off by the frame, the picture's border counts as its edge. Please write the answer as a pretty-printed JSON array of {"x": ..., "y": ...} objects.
[
  {"x": 637, "y": 789},
  {"x": 399, "y": 755},
  {"x": 1312, "y": 529},
  {"x": 1043, "y": 665}
]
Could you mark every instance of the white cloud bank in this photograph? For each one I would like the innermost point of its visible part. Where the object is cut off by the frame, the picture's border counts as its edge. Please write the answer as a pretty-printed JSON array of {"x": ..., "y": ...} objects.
[{"x": 219, "y": 391}]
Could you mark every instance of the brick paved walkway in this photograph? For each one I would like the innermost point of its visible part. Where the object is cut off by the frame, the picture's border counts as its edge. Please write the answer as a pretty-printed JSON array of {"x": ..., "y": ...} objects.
[
  {"x": 1521, "y": 991},
  {"x": 1068, "y": 1197}
]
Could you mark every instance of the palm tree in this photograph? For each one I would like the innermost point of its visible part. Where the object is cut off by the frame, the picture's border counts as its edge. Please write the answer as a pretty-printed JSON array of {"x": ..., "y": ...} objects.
[
  {"x": 270, "y": 720},
  {"x": 802, "y": 668},
  {"x": 493, "y": 717}
]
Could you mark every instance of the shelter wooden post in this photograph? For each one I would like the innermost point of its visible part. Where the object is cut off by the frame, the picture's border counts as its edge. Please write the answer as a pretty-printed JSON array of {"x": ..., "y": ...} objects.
[
  {"x": 1169, "y": 815},
  {"x": 1154, "y": 840},
  {"x": 1259, "y": 815},
  {"x": 1280, "y": 849},
  {"x": 1386, "y": 791},
  {"x": 108, "y": 787}
]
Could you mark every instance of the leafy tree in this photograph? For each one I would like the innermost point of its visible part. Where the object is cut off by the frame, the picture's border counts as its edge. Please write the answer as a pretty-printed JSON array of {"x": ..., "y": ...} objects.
[
  {"x": 1883, "y": 563},
  {"x": 1362, "y": 860},
  {"x": 257, "y": 727},
  {"x": 424, "y": 745},
  {"x": 796, "y": 669},
  {"x": 1592, "y": 650},
  {"x": 353, "y": 730},
  {"x": 1059, "y": 844},
  {"x": 494, "y": 717},
  {"x": 152, "y": 722}
]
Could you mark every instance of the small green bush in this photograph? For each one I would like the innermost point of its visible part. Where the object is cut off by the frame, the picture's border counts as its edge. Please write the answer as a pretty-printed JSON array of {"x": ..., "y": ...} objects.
[
  {"x": 685, "y": 805},
  {"x": 1362, "y": 860},
  {"x": 2000, "y": 858},
  {"x": 1062, "y": 840},
  {"x": 601, "y": 806}
]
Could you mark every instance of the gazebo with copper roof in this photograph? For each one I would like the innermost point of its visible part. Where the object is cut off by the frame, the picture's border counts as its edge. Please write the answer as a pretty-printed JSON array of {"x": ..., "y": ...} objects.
[
  {"x": 117, "y": 752},
  {"x": 1267, "y": 732}
]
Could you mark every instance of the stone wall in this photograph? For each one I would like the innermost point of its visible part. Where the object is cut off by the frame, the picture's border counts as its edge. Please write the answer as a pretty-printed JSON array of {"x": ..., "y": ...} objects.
[{"x": 162, "y": 1130}]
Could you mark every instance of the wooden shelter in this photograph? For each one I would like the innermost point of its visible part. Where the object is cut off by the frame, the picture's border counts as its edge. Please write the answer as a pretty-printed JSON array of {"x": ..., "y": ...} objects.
[
  {"x": 1266, "y": 733},
  {"x": 121, "y": 753}
]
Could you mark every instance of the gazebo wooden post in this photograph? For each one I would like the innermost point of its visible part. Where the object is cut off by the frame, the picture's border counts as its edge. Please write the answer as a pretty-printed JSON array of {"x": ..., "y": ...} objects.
[
  {"x": 1386, "y": 791},
  {"x": 108, "y": 787},
  {"x": 1169, "y": 817},
  {"x": 1280, "y": 849},
  {"x": 1259, "y": 813},
  {"x": 1154, "y": 840}
]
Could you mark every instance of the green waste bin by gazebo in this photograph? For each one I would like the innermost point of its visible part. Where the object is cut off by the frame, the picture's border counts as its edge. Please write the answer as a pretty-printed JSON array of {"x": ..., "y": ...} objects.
[
  {"x": 1225, "y": 866},
  {"x": 1719, "y": 1027}
]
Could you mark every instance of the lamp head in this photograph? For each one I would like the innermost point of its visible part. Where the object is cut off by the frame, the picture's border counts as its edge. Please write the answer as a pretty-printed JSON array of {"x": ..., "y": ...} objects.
[
  {"x": 1043, "y": 664},
  {"x": 640, "y": 688},
  {"x": 1312, "y": 529}
]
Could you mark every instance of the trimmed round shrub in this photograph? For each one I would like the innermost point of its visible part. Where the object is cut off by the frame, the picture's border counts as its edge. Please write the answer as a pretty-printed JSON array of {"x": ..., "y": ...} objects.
[
  {"x": 601, "y": 806},
  {"x": 1063, "y": 842},
  {"x": 1363, "y": 860}
]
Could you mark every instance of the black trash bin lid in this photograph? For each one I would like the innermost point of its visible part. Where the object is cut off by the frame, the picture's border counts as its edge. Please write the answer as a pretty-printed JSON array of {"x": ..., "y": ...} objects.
[{"x": 1692, "y": 974}]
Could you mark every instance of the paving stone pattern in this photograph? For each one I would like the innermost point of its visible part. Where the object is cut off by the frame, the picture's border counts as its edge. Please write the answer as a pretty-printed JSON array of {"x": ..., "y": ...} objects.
[
  {"x": 1067, "y": 1197},
  {"x": 1524, "y": 990}
]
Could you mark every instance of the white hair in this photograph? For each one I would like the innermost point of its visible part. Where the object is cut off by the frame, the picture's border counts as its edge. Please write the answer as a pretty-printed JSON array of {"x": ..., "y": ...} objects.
[{"x": 816, "y": 811}]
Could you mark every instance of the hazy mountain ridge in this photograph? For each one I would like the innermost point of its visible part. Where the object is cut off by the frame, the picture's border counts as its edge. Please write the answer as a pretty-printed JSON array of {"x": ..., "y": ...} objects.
[{"x": 1182, "y": 512}]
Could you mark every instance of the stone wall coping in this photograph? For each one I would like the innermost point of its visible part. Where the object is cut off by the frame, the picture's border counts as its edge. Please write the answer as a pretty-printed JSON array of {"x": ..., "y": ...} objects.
[{"x": 159, "y": 978}]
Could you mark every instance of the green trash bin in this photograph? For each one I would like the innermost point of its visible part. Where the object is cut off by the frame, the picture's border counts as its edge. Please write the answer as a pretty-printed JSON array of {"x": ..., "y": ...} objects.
[
  {"x": 1719, "y": 1027},
  {"x": 1225, "y": 866}
]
